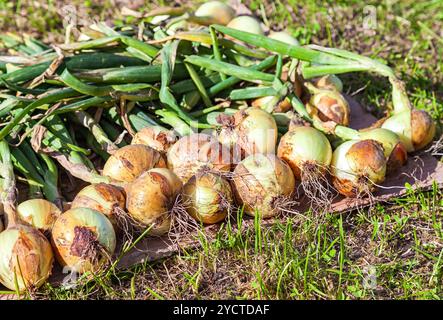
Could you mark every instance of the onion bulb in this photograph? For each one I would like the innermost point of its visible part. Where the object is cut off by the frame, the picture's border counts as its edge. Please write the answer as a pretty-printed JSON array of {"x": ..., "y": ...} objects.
[
  {"x": 393, "y": 148},
  {"x": 196, "y": 151},
  {"x": 329, "y": 82},
  {"x": 83, "y": 239},
  {"x": 283, "y": 36},
  {"x": 26, "y": 258},
  {"x": 207, "y": 197},
  {"x": 151, "y": 197},
  {"x": 247, "y": 24},
  {"x": 357, "y": 166},
  {"x": 263, "y": 183},
  {"x": 156, "y": 137},
  {"x": 129, "y": 162},
  {"x": 416, "y": 128},
  {"x": 306, "y": 150},
  {"x": 102, "y": 197},
  {"x": 328, "y": 105},
  {"x": 39, "y": 213},
  {"x": 216, "y": 11}
]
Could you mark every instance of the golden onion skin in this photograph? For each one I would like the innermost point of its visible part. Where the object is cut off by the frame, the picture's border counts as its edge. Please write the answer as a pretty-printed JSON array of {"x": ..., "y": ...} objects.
[
  {"x": 196, "y": 151},
  {"x": 357, "y": 165},
  {"x": 129, "y": 162},
  {"x": 330, "y": 105},
  {"x": 25, "y": 253},
  {"x": 102, "y": 197},
  {"x": 256, "y": 131},
  {"x": 155, "y": 137},
  {"x": 416, "y": 128},
  {"x": 83, "y": 239},
  {"x": 38, "y": 213},
  {"x": 393, "y": 148},
  {"x": 207, "y": 197},
  {"x": 303, "y": 146},
  {"x": 260, "y": 181},
  {"x": 151, "y": 197},
  {"x": 329, "y": 82},
  {"x": 218, "y": 12}
]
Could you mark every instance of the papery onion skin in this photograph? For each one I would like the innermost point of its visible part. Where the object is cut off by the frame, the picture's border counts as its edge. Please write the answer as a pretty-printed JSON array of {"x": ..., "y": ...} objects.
[
  {"x": 129, "y": 162},
  {"x": 260, "y": 181},
  {"x": 329, "y": 82},
  {"x": 393, "y": 148},
  {"x": 256, "y": 130},
  {"x": 247, "y": 24},
  {"x": 151, "y": 197},
  {"x": 39, "y": 213},
  {"x": 25, "y": 253},
  {"x": 83, "y": 239},
  {"x": 330, "y": 105},
  {"x": 196, "y": 151},
  {"x": 207, "y": 197},
  {"x": 102, "y": 197},
  {"x": 305, "y": 146},
  {"x": 357, "y": 165},
  {"x": 155, "y": 137},
  {"x": 218, "y": 11}
]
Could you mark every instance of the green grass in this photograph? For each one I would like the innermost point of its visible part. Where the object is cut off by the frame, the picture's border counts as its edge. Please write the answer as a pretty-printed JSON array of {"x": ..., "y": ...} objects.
[{"x": 384, "y": 252}]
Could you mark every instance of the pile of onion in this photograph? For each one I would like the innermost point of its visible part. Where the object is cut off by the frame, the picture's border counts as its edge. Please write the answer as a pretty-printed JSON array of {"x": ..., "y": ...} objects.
[
  {"x": 328, "y": 106},
  {"x": 248, "y": 131},
  {"x": 207, "y": 197},
  {"x": 83, "y": 239},
  {"x": 39, "y": 213},
  {"x": 129, "y": 162},
  {"x": 196, "y": 151},
  {"x": 357, "y": 166},
  {"x": 105, "y": 198},
  {"x": 264, "y": 184},
  {"x": 25, "y": 258},
  {"x": 156, "y": 137},
  {"x": 151, "y": 198},
  {"x": 215, "y": 12}
]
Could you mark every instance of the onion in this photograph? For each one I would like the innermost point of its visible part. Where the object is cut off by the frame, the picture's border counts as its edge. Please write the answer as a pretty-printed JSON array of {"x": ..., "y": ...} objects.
[
  {"x": 393, "y": 148},
  {"x": 305, "y": 149},
  {"x": 329, "y": 82},
  {"x": 357, "y": 166},
  {"x": 102, "y": 197},
  {"x": 247, "y": 24},
  {"x": 207, "y": 197},
  {"x": 328, "y": 105},
  {"x": 25, "y": 258},
  {"x": 39, "y": 213},
  {"x": 83, "y": 239},
  {"x": 416, "y": 128},
  {"x": 216, "y": 11},
  {"x": 129, "y": 162},
  {"x": 196, "y": 151},
  {"x": 263, "y": 183},
  {"x": 284, "y": 37},
  {"x": 156, "y": 137},
  {"x": 151, "y": 197}
]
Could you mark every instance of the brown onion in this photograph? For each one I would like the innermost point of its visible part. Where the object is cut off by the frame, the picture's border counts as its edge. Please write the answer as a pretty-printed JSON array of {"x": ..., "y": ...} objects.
[
  {"x": 357, "y": 167},
  {"x": 329, "y": 82},
  {"x": 262, "y": 183},
  {"x": 83, "y": 239},
  {"x": 39, "y": 213},
  {"x": 25, "y": 258},
  {"x": 129, "y": 162},
  {"x": 207, "y": 197},
  {"x": 102, "y": 197},
  {"x": 196, "y": 151},
  {"x": 155, "y": 137},
  {"x": 151, "y": 197}
]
